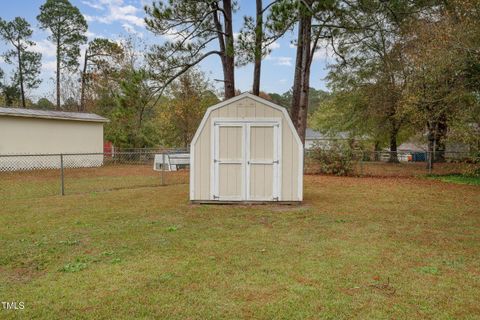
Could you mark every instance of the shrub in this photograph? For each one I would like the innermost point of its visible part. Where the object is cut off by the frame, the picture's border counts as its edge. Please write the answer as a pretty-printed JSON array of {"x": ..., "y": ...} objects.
[
  {"x": 473, "y": 167},
  {"x": 336, "y": 158}
]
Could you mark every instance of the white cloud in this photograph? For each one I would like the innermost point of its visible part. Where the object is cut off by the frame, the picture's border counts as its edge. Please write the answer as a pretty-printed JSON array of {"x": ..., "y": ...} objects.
[
  {"x": 89, "y": 18},
  {"x": 93, "y": 5},
  {"x": 323, "y": 53},
  {"x": 49, "y": 66},
  {"x": 282, "y": 80},
  {"x": 284, "y": 61},
  {"x": 271, "y": 46},
  {"x": 292, "y": 45},
  {"x": 131, "y": 29},
  {"x": 90, "y": 34},
  {"x": 274, "y": 45},
  {"x": 116, "y": 11},
  {"x": 45, "y": 47},
  {"x": 280, "y": 61}
]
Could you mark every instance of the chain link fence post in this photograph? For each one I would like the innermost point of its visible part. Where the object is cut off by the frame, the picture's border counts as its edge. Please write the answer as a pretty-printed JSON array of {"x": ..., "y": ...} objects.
[
  {"x": 430, "y": 162},
  {"x": 62, "y": 176},
  {"x": 361, "y": 163},
  {"x": 163, "y": 169}
]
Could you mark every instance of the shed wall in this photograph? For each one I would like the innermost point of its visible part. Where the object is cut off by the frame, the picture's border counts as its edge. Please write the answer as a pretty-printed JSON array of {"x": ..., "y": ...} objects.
[
  {"x": 242, "y": 109},
  {"x": 20, "y": 135}
]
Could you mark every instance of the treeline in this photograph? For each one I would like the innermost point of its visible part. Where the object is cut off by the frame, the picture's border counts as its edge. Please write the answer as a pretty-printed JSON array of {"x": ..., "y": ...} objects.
[
  {"x": 400, "y": 66},
  {"x": 415, "y": 70}
]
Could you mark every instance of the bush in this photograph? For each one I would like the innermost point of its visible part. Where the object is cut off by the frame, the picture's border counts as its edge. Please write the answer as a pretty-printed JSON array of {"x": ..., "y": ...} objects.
[
  {"x": 336, "y": 158},
  {"x": 473, "y": 167}
]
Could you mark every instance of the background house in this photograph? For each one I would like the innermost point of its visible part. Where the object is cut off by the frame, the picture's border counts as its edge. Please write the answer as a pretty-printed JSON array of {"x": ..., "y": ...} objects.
[{"x": 316, "y": 138}]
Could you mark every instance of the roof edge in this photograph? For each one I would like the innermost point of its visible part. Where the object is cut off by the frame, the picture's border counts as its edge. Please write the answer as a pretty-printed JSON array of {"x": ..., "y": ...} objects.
[{"x": 97, "y": 118}]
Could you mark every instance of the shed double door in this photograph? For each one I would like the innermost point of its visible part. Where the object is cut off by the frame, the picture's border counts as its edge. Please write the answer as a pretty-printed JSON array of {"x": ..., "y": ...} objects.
[{"x": 246, "y": 161}]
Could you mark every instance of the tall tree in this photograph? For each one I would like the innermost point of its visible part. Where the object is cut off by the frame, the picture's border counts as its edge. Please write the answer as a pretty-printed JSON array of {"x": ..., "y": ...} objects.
[
  {"x": 11, "y": 94},
  {"x": 254, "y": 41},
  {"x": 181, "y": 112},
  {"x": 99, "y": 54},
  {"x": 441, "y": 49},
  {"x": 2, "y": 97},
  {"x": 314, "y": 21},
  {"x": 68, "y": 27},
  {"x": 17, "y": 33},
  {"x": 44, "y": 104},
  {"x": 371, "y": 60},
  {"x": 191, "y": 26},
  {"x": 121, "y": 92},
  {"x": 259, "y": 34}
]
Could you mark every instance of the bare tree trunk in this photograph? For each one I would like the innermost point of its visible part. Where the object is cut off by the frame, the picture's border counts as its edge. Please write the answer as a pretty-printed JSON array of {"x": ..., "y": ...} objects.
[
  {"x": 305, "y": 84},
  {"x": 229, "y": 54},
  {"x": 430, "y": 147},
  {"x": 20, "y": 74},
  {"x": 393, "y": 146},
  {"x": 58, "y": 74},
  {"x": 82, "y": 92},
  {"x": 441, "y": 133},
  {"x": 297, "y": 77},
  {"x": 376, "y": 150},
  {"x": 258, "y": 49}
]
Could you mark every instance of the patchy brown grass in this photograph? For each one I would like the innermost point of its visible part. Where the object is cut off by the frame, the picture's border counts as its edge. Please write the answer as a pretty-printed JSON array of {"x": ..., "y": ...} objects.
[
  {"x": 397, "y": 248},
  {"x": 38, "y": 183}
]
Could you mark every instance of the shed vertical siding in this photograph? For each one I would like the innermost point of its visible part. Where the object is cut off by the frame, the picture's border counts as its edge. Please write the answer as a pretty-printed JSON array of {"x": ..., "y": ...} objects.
[{"x": 243, "y": 109}]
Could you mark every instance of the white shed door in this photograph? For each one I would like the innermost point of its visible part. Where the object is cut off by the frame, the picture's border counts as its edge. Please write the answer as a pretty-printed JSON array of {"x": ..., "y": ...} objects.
[
  {"x": 229, "y": 162},
  {"x": 262, "y": 161},
  {"x": 246, "y": 162}
]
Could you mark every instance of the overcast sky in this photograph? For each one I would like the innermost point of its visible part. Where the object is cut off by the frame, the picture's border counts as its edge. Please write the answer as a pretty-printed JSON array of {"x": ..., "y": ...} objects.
[{"x": 116, "y": 19}]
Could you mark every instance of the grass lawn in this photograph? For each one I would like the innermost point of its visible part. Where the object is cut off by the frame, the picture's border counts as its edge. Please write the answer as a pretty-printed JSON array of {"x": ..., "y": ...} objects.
[
  {"x": 357, "y": 248},
  {"x": 457, "y": 178}
]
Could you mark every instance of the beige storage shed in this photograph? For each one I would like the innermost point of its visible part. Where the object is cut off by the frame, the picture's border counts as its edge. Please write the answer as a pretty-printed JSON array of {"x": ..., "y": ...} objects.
[
  {"x": 246, "y": 150},
  {"x": 29, "y": 131}
]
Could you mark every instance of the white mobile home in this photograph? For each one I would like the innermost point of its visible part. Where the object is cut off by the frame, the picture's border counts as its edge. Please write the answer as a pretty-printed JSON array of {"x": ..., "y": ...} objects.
[
  {"x": 28, "y": 131},
  {"x": 246, "y": 150}
]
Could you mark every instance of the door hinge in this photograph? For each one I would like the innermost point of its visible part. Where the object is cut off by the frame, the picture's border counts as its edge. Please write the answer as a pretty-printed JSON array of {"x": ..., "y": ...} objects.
[
  {"x": 215, "y": 197},
  {"x": 276, "y": 161},
  {"x": 275, "y": 198}
]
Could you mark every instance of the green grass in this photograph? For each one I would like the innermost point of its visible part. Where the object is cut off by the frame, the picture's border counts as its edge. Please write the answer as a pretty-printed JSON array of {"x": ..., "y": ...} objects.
[
  {"x": 458, "y": 178},
  {"x": 357, "y": 248}
]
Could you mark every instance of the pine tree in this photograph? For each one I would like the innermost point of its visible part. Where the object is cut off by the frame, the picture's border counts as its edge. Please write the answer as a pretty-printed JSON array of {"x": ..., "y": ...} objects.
[
  {"x": 68, "y": 27},
  {"x": 17, "y": 33},
  {"x": 193, "y": 26}
]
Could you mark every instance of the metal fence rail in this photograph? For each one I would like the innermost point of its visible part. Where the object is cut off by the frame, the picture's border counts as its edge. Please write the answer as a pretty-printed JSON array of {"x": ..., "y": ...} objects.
[{"x": 28, "y": 175}]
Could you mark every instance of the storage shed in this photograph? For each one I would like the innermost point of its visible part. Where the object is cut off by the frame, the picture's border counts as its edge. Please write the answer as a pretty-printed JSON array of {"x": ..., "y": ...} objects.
[
  {"x": 28, "y": 131},
  {"x": 246, "y": 150}
]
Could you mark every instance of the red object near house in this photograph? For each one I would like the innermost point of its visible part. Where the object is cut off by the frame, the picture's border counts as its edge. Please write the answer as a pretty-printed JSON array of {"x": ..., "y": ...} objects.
[{"x": 108, "y": 149}]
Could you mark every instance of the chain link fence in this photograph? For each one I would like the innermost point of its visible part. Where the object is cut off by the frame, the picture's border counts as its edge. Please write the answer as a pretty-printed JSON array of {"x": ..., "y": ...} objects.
[
  {"x": 29, "y": 176},
  {"x": 38, "y": 175},
  {"x": 390, "y": 164}
]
